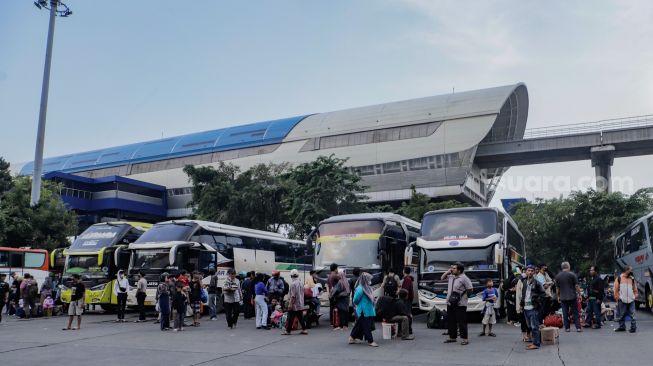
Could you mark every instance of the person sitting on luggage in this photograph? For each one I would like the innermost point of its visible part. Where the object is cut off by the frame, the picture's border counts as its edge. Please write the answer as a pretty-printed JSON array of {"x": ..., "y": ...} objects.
[
  {"x": 393, "y": 310},
  {"x": 490, "y": 296}
]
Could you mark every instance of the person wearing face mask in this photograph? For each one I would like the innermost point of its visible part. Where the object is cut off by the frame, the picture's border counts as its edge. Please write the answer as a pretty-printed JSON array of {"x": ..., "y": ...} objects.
[{"x": 120, "y": 289}]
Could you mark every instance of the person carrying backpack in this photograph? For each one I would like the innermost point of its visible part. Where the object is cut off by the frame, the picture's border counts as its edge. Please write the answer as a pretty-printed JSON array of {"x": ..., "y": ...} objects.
[
  {"x": 625, "y": 291},
  {"x": 213, "y": 294},
  {"x": 390, "y": 284}
]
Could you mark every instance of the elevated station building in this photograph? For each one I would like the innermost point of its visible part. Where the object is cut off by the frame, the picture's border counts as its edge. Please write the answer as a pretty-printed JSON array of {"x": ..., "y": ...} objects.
[{"x": 427, "y": 142}]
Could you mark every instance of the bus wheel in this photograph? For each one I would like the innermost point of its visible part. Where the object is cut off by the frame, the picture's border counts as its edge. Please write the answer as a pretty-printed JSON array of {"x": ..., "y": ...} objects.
[
  {"x": 649, "y": 299},
  {"x": 109, "y": 309}
]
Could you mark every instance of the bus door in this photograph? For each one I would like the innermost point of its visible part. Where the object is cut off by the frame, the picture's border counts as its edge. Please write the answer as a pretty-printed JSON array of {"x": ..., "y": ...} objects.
[{"x": 394, "y": 241}]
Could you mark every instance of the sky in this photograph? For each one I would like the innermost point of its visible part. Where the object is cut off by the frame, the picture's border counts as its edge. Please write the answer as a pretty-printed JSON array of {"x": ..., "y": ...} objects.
[{"x": 131, "y": 71}]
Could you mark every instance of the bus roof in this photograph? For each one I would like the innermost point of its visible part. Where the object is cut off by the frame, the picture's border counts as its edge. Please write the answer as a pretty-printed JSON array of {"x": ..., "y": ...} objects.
[
  {"x": 460, "y": 209},
  {"x": 236, "y": 230},
  {"x": 142, "y": 225},
  {"x": 385, "y": 216}
]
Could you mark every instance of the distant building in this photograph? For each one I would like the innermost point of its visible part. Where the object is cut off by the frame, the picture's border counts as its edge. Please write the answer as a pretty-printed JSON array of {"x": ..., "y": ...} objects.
[{"x": 428, "y": 142}]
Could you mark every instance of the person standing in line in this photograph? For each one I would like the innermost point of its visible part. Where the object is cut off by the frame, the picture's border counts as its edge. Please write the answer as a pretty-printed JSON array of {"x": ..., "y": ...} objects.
[
  {"x": 141, "y": 294},
  {"x": 595, "y": 295},
  {"x": 458, "y": 290},
  {"x": 179, "y": 304},
  {"x": 340, "y": 298},
  {"x": 568, "y": 291},
  {"x": 261, "y": 291},
  {"x": 365, "y": 312},
  {"x": 248, "y": 296},
  {"x": 76, "y": 306},
  {"x": 296, "y": 304},
  {"x": 163, "y": 298},
  {"x": 531, "y": 301},
  {"x": 547, "y": 283},
  {"x": 120, "y": 289},
  {"x": 625, "y": 291},
  {"x": 233, "y": 298},
  {"x": 196, "y": 297},
  {"x": 4, "y": 293},
  {"x": 213, "y": 294}
]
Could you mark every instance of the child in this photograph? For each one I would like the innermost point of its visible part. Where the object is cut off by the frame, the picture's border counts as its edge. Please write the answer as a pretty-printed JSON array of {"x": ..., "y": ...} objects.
[
  {"x": 48, "y": 305},
  {"x": 490, "y": 295},
  {"x": 276, "y": 316},
  {"x": 179, "y": 304},
  {"x": 272, "y": 306}
]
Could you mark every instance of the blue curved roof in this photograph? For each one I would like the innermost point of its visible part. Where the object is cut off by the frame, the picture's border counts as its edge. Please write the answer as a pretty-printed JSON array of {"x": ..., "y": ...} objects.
[{"x": 230, "y": 138}]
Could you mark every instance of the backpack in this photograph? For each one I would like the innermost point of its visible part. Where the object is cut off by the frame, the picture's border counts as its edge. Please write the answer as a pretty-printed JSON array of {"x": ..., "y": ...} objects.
[
  {"x": 32, "y": 290},
  {"x": 436, "y": 319},
  {"x": 390, "y": 288}
]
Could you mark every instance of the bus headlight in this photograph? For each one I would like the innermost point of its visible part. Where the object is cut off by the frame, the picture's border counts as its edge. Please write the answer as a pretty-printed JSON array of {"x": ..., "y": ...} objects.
[{"x": 427, "y": 294}]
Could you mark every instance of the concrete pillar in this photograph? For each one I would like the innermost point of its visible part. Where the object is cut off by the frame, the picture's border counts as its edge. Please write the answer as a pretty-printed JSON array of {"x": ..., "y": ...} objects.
[{"x": 602, "y": 160}]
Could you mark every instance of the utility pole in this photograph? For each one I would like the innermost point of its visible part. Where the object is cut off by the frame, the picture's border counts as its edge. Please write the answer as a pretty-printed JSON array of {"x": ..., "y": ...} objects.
[{"x": 64, "y": 11}]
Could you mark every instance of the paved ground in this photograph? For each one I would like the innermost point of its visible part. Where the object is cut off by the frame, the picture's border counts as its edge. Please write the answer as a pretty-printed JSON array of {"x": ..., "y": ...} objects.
[{"x": 102, "y": 342}]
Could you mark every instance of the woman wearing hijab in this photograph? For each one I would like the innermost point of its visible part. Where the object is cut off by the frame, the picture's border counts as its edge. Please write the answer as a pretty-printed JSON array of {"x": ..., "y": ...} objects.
[
  {"x": 364, "y": 303},
  {"x": 340, "y": 299}
]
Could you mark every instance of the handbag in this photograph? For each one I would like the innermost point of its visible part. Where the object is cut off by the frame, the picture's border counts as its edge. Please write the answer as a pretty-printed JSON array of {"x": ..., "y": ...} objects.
[
  {"x": 157, "y": 307},
  {"x": 189, "y": 310}
]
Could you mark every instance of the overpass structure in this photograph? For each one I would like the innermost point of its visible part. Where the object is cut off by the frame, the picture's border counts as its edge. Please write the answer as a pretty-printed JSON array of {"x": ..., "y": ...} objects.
[{"x": 600, "y": 142}]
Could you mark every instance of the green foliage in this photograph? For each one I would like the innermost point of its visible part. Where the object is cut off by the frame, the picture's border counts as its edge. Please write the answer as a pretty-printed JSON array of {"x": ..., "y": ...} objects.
[
  {"x": 45, "y": 226},
  {"x": 579, "y": 228},
  {"x": 419, "y": 204},
  {"x": 320, "y": 189},
  {"x": 268, "y": 196},
  {"x": 5, "y": 177}
]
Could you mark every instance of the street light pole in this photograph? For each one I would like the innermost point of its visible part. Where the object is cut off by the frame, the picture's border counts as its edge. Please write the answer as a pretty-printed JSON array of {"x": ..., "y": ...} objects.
[{"x": 40, "y": 133}]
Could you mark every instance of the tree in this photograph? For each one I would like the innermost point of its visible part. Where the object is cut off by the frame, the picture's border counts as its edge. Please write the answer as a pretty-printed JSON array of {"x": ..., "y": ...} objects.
[
  {"x": 320, "y": 189},
  {"x": 252, "y": 199},
  {"x": 6, "y": 182},
  {"x": 419, "y": 204},
  {"x": 45, "y": 226},
  {"x": 579, "y": 228}
]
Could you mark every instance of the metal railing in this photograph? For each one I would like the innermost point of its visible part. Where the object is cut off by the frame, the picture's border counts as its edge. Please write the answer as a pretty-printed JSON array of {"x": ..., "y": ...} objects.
[
  {"x": 75, "y": 193},
  {"x": 589, "y": 127}
]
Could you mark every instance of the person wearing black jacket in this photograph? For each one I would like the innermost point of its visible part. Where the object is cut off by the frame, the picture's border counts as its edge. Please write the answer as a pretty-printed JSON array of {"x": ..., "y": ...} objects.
[
  {"x": 595, "y": 296},
  {"x": 531, "y": 301},
  {"x": 393, "y": 310}
]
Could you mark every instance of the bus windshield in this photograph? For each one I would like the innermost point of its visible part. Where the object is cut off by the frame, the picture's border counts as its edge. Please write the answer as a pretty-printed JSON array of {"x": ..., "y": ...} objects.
[
  {"x": 84, "y": 265},
  {"x": 151, "y": 259},
  {"x": 176, "y": 231},
  {"x": 474, "y": 259},
  {"x": 350, "y": 243},
  {"x": 459, "y": 225},
  {"x": 97, "y": 237}
]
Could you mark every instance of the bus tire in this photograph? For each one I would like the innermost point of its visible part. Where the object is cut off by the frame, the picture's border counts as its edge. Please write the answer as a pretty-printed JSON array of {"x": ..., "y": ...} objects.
[{"x": 648, "y": 299}]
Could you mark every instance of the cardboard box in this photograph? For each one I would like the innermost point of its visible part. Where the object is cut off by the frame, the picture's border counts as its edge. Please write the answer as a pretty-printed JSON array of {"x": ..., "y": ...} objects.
[{"x": 550, "y": 335}]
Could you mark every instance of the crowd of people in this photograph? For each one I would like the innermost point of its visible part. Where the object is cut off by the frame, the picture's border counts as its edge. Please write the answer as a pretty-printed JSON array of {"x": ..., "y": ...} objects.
[{"x": 532, "y": 297}]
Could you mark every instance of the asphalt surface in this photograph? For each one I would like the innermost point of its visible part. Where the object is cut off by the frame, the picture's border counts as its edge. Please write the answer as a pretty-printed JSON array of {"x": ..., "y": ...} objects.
[{"x": 103, "y": 342}]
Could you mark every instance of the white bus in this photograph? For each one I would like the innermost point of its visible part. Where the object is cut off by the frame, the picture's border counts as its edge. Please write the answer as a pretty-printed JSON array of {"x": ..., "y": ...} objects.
[
  {"x": 632, "y": 247},
  {"x": 485, "y": 240},
  {"x": 194, "y": 245},
  {"x": 373, "y": 242}
]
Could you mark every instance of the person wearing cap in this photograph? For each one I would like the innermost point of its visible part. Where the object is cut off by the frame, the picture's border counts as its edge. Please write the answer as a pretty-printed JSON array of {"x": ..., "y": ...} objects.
[
  {"x": 121, "y": 289},
  {"x": 276, "y": 286},
  {"x": 233, "y": 298},
  {"x": 163, "y": 299},
  {"x": 531, "y": 301},
  {"x": 296, "y": 304}
]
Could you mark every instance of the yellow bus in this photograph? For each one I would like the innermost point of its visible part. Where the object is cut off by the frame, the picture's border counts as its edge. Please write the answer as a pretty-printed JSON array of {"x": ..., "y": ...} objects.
[{"x": 97, "y": 254}]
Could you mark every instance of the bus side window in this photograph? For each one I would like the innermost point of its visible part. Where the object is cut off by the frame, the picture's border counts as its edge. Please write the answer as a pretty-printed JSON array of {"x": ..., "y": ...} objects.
[
  {"x": 4, "y": 259},
  {"x": 207, "y": 261},
  {"x": 637, "y": 241},
  {"x": 650, "y": 231},
  {"x": 16, "y": 260},
  {"x": 34, "y": 260}
]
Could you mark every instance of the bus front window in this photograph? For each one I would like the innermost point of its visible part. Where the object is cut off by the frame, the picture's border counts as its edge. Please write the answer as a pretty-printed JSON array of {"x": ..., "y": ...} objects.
[
  {"x": 459, "y": 225},
  {"x": 168, "y": 232},
  {"x": 86, "y": 265},
  {"x": 151, "y": 259},
  {"x": 97, "y": 237},
  {"x": 474, "y": 259},
  {"x": 350, "y": 243}
]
